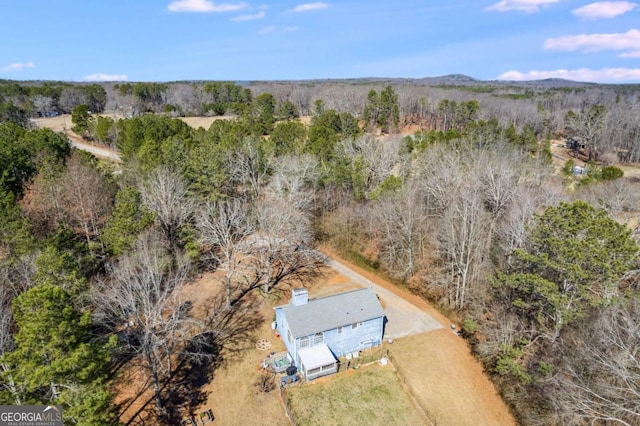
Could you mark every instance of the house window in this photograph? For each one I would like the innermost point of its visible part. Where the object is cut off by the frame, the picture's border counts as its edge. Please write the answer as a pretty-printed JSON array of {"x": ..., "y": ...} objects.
[
  {"x": 339, "y": 330},
  {"x": 304, "y": 342},
  {"x": 367, "y": 344},
  {"x": 356, "y": 325},
  {"x": 289, "y": 336},
  {"x": 318, "y": 338},
  {"x": 313, "y": 371}
]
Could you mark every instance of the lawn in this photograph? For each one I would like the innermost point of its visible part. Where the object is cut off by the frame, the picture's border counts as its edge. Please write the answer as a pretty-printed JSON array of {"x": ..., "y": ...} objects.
[{"x": 371, "y": 395}]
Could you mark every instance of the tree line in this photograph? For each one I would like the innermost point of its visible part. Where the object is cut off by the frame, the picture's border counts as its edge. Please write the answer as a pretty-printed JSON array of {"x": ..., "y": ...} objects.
[{"x": 467, "y": 212}]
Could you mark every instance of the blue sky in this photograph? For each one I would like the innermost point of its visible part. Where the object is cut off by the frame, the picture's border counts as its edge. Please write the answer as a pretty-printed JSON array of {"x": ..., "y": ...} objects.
[{"x": 168, "y": 40}]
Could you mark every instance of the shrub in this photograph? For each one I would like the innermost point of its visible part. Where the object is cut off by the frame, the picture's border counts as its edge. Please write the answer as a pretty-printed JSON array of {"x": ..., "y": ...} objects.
[
  {"x": 611, "y": 173},
  {"x": 265, "y": 383}
]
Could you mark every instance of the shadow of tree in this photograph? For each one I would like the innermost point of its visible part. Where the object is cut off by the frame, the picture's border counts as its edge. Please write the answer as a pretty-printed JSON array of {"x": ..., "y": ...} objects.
[{"x": 223, "y": 335}]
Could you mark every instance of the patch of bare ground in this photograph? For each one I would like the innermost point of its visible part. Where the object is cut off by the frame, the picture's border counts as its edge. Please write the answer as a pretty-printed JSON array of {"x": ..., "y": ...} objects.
[
  {"x": 231, "y": 393},
  {"x": 204, "y": 122},
  {"x": 227, "y": 384},
  {"x": 60, "y": 123}
]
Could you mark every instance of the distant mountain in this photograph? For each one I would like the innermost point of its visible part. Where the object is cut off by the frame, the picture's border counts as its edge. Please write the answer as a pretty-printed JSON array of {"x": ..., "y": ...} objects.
[
  {"x": 444, "y": 80},
  {"x": 454, "y": 79}
]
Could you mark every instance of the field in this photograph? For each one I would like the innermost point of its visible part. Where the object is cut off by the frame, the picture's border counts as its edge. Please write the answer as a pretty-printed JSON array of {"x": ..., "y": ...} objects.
[
  {"x": 371, "y": 395},
  {"x": 63, "y": 122}
]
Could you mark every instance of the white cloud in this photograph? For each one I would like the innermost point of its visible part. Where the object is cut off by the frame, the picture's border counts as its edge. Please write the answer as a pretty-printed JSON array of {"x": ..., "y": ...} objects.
[
  {"x": 629, "y": 41},
  {"x": 105, "y": 77},
  {"x": 310, "y": 6},
  {"x": 267, "y": 30},
  {"x": 17, "y": 66},
  {"x": 204, "y": 6},
  {"x": 528, "y": 6},
  {"x": 605, "y": 75},
  {"x": 604, "y": 9},
  {"x": 253, "y": 17},
  {"x": 273, "y": 29}
]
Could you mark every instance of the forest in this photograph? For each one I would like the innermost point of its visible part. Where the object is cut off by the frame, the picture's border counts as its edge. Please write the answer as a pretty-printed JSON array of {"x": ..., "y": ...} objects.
[{"x": 448, "y": 187}]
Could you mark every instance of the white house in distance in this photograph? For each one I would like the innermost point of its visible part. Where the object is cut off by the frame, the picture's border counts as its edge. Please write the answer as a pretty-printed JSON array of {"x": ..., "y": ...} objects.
[{"x": 316, "y": 331}]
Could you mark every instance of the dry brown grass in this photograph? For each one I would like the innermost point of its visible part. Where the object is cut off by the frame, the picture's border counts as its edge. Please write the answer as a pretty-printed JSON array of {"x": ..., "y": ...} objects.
[
  {"x": 447, "y": 381},
  {"x": 232, "y": 394},
  {"x": 204, "y": 122}
]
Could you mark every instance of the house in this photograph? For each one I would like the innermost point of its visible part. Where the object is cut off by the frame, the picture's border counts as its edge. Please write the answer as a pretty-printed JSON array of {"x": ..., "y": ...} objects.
[{"x": 316, "y": 331}]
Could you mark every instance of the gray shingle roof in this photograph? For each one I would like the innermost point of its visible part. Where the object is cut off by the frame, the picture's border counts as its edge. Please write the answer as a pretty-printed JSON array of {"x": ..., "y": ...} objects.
[{"x": 330, "y": 312}]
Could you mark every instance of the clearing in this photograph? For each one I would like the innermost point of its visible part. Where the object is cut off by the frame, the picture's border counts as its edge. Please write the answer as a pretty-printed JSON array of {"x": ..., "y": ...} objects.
[{"x": 438, "y": 371}]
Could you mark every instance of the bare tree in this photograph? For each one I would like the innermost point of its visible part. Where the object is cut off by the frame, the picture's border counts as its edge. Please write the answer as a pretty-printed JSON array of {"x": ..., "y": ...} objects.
[
  {"x": 247, "y": 166},
  {"x": 71, "y": 97},
  {"x": 588, "y": 125},
  {"x": 464, "y": 242},
  {"x": 617, "y": 197},
  {"x": 379, "y": 158},
  {"x": 6, "y": 334},
  {"x": 223, "y": 227},
  {"x": 141, "y": 300},
  {"x": 499, "y": 173},
  {"x": 402, "y": 222},
  {"x": 512, "y": 228},
  {"x": 294, "y": 181},
  {"x": 281, "y": 249},
  {"x": 600, "y": 381},
  {"x": 441, "y": 172},
  {"x": 44, "y": 205},
  {"x": 165, "y": 193},
  {"x": 87, "y": 197},
  {"x": 43, "y": 105}
]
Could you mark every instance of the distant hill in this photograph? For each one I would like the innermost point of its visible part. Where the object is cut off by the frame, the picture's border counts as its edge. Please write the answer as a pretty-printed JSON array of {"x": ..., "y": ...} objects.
[{"x": 444, "y": 80}]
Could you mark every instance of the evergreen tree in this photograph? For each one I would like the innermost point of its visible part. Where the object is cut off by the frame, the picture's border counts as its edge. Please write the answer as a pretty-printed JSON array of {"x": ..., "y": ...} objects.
[
  {"x": 54, "y": 360},
  {"x": 574, "y": 258},
  {"x": 128, "y": 219}
]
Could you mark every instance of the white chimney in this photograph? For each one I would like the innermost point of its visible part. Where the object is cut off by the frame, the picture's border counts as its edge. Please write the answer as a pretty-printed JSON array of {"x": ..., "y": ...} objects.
[{"x": 299, "y": 296}]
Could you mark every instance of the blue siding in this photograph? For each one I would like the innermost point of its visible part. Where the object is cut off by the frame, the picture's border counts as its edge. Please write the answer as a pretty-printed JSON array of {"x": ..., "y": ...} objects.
[
  {"x": 283, "y": 328},
  {"x": 366, "y": 335}
]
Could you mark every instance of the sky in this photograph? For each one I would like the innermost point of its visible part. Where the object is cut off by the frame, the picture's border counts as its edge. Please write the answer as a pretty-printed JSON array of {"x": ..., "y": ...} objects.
[{"x": 174, "y": 40}]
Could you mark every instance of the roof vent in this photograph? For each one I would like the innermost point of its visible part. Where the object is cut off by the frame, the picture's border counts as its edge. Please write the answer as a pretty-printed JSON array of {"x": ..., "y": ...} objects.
[{"x": 299, "y": 296}]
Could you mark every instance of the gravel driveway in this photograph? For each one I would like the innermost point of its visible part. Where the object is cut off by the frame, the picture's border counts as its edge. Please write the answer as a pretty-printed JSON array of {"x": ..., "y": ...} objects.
[{"x": 403, "y": 318}]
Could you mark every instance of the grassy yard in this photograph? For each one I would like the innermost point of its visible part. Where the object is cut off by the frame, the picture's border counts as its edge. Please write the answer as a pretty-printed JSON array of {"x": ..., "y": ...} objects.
[{"x": 372, "y": 395}]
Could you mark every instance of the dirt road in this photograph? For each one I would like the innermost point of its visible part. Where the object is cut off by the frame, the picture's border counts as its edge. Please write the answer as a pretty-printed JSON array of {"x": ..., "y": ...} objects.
[{"x": 59, "y": 124}]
